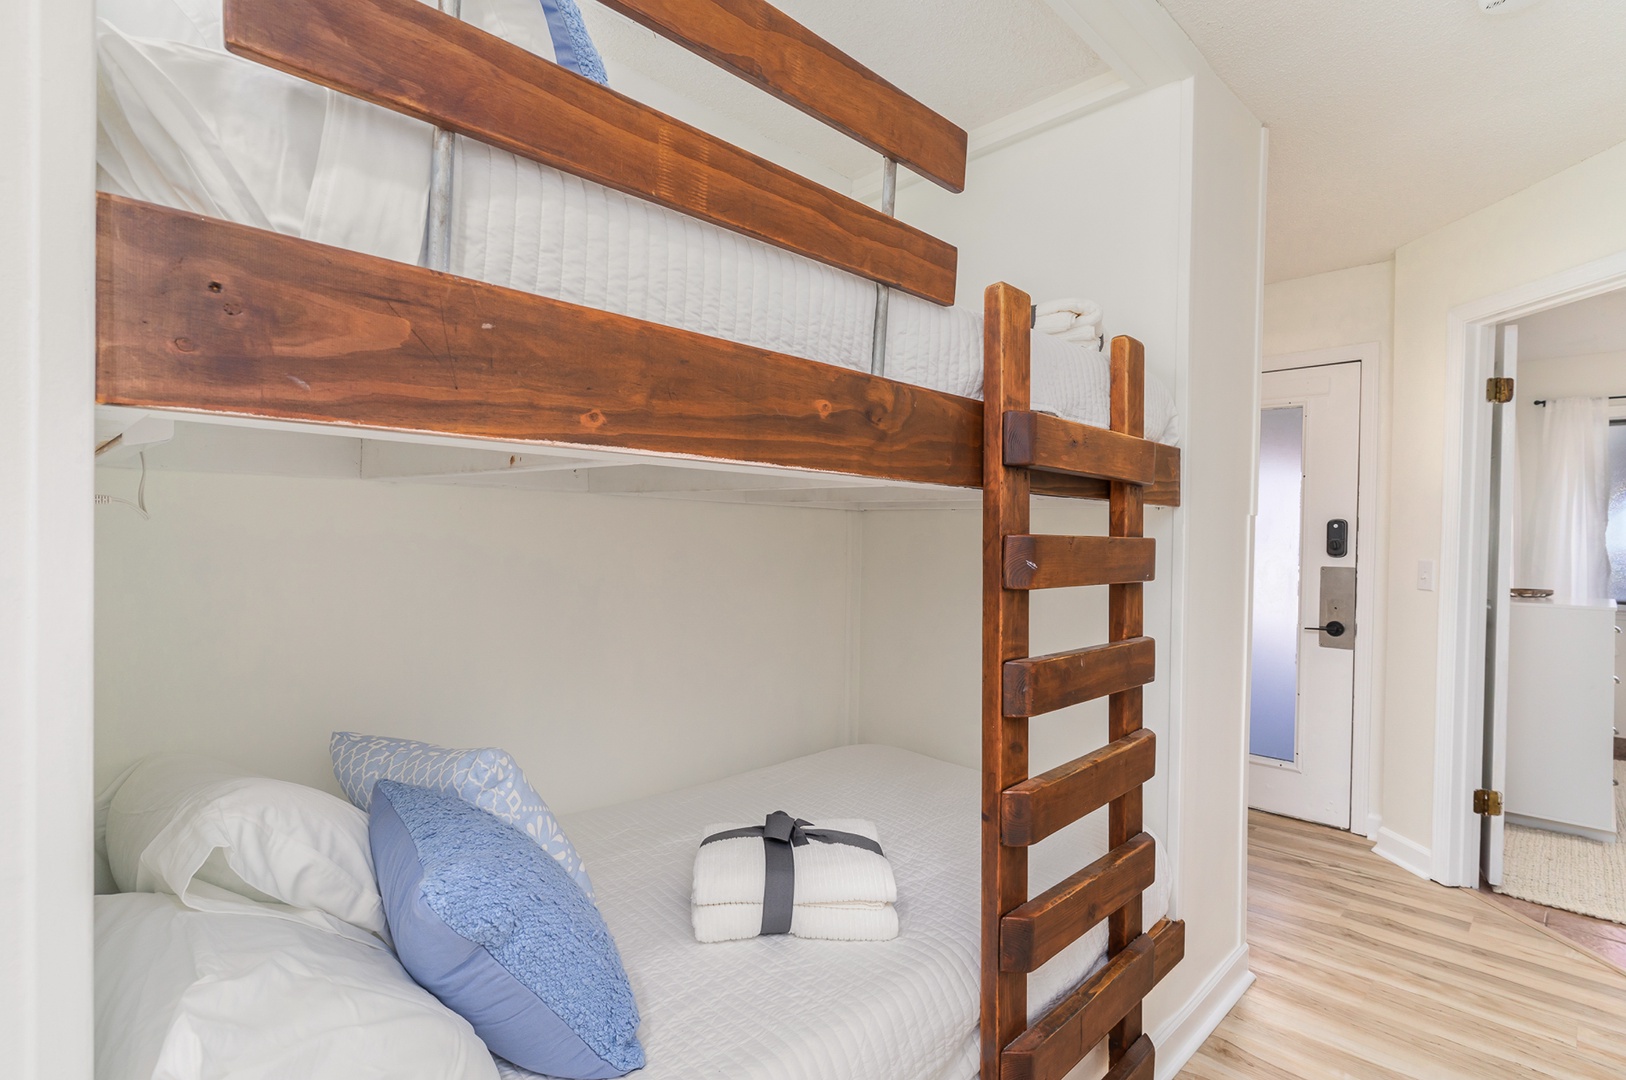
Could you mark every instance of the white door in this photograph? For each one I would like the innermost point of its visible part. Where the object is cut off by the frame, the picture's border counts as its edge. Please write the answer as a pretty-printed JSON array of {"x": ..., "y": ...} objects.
[
  {"x": 1301, "y": 716},
  {"x": 1503, "y": 488}
]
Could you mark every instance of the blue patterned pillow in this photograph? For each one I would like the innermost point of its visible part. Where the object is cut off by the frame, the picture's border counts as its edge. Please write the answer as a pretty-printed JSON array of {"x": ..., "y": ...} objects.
[
  {"x": 501, "y": 935},
  {"x": 488, "y": 778},
  {"x": 572, "y": 47}
]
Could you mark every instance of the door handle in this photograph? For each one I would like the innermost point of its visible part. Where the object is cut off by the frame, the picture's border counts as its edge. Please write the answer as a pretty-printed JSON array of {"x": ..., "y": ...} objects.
[{"x": 1332, "y": 629}]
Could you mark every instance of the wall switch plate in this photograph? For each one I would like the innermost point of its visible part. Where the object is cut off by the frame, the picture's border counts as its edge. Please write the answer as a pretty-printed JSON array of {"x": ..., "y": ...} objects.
[{"x": 1425, "y": 575}]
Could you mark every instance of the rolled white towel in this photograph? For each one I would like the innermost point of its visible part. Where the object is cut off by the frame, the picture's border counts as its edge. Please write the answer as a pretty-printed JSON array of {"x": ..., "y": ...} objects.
[
  {"x": 1088, "y": 310},
  {"x": 1087, "y": 335},
  {"x": 841, "y": 891}
]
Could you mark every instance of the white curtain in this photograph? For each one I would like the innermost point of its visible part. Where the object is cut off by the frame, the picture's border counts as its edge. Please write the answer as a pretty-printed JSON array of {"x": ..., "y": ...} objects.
[{"x": 1562, "y": 544}]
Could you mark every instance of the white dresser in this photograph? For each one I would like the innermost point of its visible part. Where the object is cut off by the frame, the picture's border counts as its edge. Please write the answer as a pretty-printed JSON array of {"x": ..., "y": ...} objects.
[{"x": 1561, "y": 717}]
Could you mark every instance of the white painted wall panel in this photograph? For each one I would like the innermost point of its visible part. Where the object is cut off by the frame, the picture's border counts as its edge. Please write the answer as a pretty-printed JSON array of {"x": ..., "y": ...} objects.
[{"x": 617, "y": 646}]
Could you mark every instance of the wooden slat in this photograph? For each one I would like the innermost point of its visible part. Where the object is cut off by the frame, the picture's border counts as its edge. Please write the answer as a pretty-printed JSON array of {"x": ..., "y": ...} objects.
[
  {"x": 1138, "y": 1063},
  {"x": 406, "y": 56},
  {"x": 1049, "y": 802},
  {"x": 1005, "y": 510},
  {"x": 1053, "y": 920},
  {"x": 764, "y": 46},
  {"x": 1168, "y": 945},
  {"x": 1041, "y": 684},
  {"x": 1041, "y": 441},
  {"x": 202, "y": 315},
  {"x": 1126, "y": 622},
  {"x": 1059, "y": 562},
  {"x": 1163, "y": 491},
  {"x": 1048, "y": 1049}
]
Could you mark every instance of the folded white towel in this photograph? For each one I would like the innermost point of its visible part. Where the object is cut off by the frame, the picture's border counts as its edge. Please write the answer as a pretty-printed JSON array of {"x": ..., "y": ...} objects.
[
  {"x": 1075, "y": 321},
  {"x": 841, "y": 891},
  {"x": 825, "y": 922}
]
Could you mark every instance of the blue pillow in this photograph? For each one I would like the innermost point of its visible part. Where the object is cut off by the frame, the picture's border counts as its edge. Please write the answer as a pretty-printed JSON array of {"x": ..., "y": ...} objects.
[
  {"x": 488, "y": 778},
  {"x": 573, "y": 48},
  {"x": 483, "y": 919}
]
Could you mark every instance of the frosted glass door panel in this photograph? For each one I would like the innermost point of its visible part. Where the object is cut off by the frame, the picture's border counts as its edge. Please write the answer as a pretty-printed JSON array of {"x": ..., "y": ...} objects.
[{"x": 1273, "y": 712}]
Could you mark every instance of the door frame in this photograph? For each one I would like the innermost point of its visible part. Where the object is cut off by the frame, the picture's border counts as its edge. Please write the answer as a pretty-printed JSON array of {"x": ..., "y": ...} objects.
[
  {"x": 1460, "y": 660},
  {"x": 1365, "y": 745}
]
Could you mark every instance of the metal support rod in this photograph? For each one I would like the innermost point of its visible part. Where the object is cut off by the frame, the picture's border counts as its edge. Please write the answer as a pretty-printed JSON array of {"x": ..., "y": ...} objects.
[
  {"x": 438, "y": 229},
  {"x": 883, "y": 295}
]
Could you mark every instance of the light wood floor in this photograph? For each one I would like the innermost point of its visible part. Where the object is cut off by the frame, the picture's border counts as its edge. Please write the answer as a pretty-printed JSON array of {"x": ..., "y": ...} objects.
[{"x": 1365, "y": 971}]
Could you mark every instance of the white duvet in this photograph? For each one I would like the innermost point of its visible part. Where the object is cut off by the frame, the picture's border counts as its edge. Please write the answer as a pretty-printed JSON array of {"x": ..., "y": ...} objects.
[
  {"x": 174, "y": 984},
  {"x": 184, "y": 124}
]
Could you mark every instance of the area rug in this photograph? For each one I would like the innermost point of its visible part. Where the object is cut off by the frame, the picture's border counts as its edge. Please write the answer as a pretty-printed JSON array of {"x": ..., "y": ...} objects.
[{"x": 1570, "y": 872}]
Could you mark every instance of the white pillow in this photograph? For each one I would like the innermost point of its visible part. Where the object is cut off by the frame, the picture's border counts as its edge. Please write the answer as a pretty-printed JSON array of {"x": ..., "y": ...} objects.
[
  {"x": 189, "y": 995},
  {"x": 222, "y": 840}
]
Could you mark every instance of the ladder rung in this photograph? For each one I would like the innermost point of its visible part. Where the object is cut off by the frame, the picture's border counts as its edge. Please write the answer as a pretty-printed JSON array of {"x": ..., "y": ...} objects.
[
  {"x": 1059, "y": 562},
  {"x": 1164, "y": 491},
  {"x": 1138, "y": 1063},
  {"x": 1040, "y": 441},
  {"x": 1048, "y": 1049},
  {"x": 1041, "y": 684},
  {"x": 1033, "y": 809},
  {"x": 1039, "y": 929},
  {"x": 1169, "y": 944}
]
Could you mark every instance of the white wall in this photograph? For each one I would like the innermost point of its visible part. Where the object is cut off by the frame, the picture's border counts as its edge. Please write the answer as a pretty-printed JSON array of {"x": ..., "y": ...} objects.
[
  {"x": 1090, "y": 208},
  {"x": 1572, "y": 218},
  {"x": 1331, "y": 310},
  {"x": 47, "y": 229},
  {"x": 617, "y": 646}
]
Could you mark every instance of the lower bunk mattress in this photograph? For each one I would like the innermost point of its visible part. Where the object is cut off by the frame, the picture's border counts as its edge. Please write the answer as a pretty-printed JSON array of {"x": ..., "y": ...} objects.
[
  {"x": 184, "y": 124},
  {"x": 782, "y": 1008},
  {"x": 773, "y": 1008}
]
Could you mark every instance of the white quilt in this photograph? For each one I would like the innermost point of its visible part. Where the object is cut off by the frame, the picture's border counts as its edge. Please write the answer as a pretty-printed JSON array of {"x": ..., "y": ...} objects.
[
  {"x": 787, "y": 1009},
  {"x": 184, "y": 124}
]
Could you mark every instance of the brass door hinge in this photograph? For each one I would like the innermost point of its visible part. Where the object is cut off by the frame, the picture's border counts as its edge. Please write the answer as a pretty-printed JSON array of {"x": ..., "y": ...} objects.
[
  {"x": 1498, "y": 391},
  {"x": 1488, "y": 803}
]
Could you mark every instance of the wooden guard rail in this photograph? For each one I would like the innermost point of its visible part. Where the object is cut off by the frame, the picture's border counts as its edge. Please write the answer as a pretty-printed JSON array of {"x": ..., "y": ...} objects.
[
  {"x": 1018, "y": 933},
  {"x": 406, "y": 56}
]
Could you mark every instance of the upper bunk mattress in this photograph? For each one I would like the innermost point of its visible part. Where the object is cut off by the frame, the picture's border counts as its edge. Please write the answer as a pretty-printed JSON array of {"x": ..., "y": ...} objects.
[
  {"x": 784, "y": 1008},
  {"x": 184, "y": 124}
]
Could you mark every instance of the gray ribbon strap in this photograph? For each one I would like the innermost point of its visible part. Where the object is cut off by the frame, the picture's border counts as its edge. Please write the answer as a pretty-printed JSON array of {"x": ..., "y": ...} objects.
[{"x": 781, "y": 834}]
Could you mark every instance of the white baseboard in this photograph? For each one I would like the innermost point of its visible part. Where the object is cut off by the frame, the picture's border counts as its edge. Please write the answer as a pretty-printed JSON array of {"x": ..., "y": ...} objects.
[
  {"x": 1374, "y": 823},
  {"x": 1181, "y": 1035},
  {"x": 1404, "y": 853}
]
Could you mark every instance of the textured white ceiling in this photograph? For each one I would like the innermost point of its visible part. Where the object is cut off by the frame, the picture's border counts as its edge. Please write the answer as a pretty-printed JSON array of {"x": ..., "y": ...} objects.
[
  {"x": 1584, "y": 328},
  {"x": 1390, "y": 118},
  {"x": 974, "y": 61}
]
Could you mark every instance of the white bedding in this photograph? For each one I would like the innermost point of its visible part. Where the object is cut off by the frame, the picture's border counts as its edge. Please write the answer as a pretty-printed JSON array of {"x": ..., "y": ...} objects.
[
  {"x": 184, "y": 995},
  {"x": 787, "y": 1009},
  {"x": 184, "y": 124}
]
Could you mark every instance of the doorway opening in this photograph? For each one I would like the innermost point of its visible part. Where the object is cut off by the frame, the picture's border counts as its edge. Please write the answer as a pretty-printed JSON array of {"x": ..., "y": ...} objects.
[{"x": 1533, "y": 560}]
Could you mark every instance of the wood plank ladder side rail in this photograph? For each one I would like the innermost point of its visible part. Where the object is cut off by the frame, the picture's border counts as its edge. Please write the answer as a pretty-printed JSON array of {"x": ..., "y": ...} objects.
[
  {"x": 1126, "y": 622},
  {"x": 1006, "y": 511},
  {"x": 1020, "y": 934}
]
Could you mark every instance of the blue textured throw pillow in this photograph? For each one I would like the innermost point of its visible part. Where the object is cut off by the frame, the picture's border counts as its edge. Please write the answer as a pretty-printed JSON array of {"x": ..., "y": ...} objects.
[
  {"x": 483, "y": 919},
  {"x": 488, "y": 778},
  {"x": 572, "y": 47}
]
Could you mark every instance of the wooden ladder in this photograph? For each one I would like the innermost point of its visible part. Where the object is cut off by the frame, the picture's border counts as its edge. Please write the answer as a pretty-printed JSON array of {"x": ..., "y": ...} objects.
[{"x": 1021, "y": 933}]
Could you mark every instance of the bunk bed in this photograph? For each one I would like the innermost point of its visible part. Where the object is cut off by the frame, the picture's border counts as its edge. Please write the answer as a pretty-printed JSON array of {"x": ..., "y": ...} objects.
[{"x": 200, "y": 315}]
